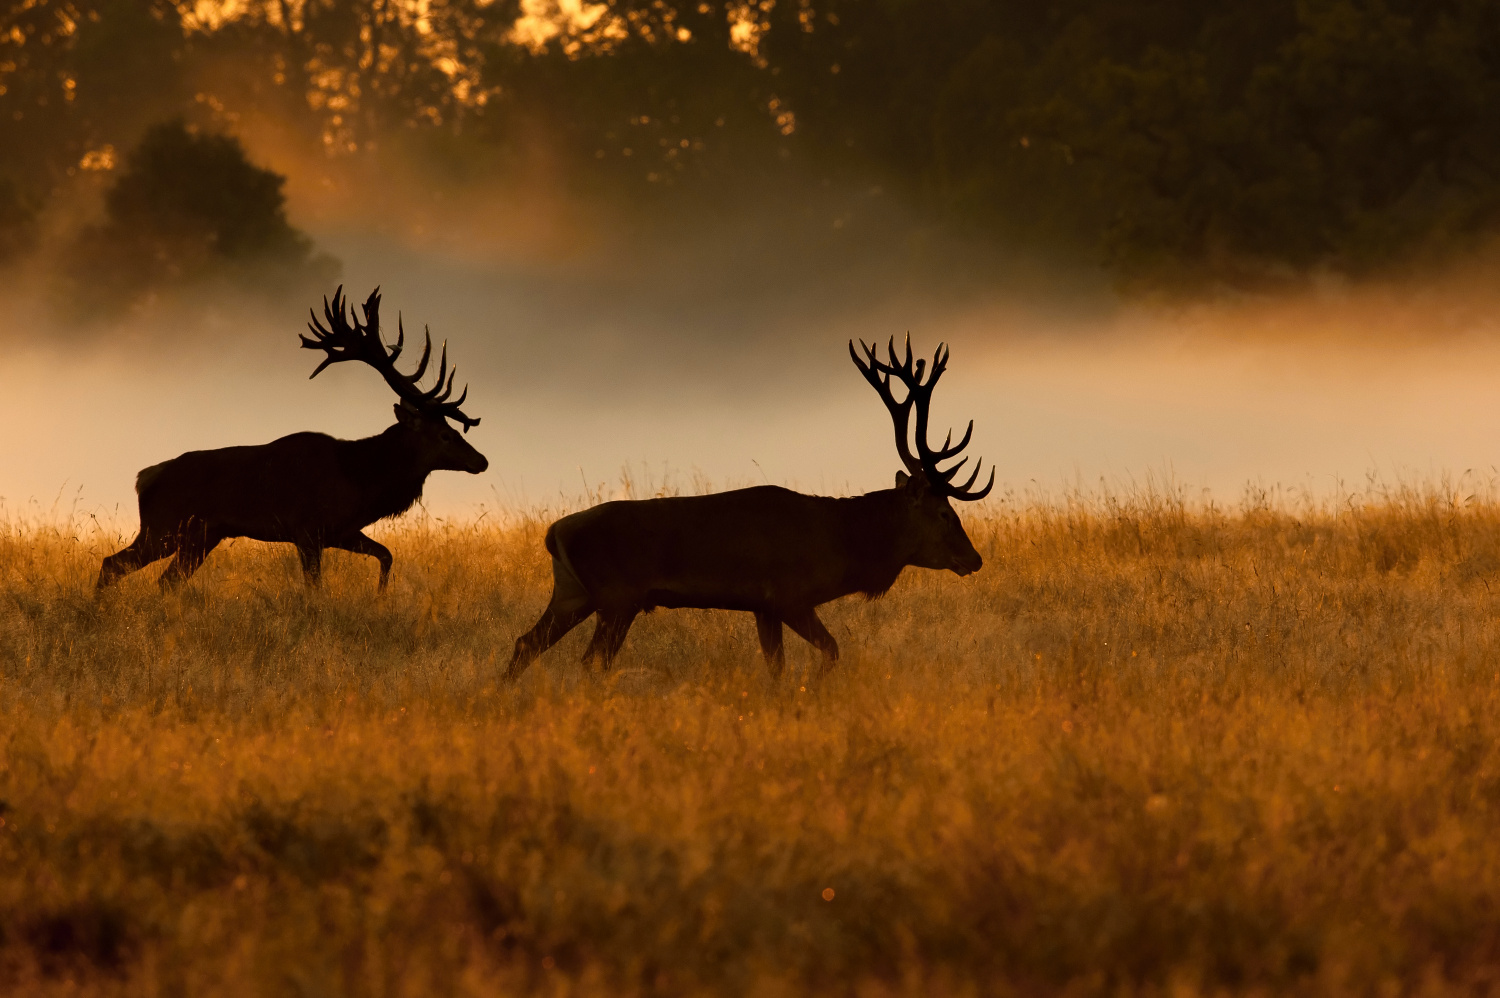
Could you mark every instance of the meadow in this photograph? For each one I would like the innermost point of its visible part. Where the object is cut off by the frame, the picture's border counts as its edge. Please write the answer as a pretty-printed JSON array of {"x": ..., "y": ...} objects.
[{"x": 1155, "y": 746}]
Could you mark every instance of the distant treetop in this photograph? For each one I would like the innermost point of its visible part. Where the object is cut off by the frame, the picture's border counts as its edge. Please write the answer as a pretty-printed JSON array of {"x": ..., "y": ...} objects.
[
  {"x": 186, "y": 207},
  {"x": 1182, "y": 144}
]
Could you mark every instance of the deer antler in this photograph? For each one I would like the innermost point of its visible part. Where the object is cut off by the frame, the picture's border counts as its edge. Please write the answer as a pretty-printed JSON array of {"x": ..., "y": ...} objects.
[
  {"x": 919, "y": 396},
  {"x": 346, "y": 338}
]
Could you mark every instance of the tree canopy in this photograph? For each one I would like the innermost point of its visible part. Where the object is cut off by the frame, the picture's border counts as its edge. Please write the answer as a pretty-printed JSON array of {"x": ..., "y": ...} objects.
[
  {"x": 1180, "y": 143},
  {"x": 185, "y": 207}
]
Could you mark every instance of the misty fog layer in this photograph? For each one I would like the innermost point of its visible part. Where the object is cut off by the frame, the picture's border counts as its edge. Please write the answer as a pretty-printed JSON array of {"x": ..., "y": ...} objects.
[{"x": 719, "y": 357}]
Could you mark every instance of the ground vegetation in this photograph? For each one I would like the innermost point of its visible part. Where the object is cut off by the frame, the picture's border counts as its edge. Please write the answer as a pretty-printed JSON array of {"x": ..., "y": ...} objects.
[{"x": 1151, "y": 747}]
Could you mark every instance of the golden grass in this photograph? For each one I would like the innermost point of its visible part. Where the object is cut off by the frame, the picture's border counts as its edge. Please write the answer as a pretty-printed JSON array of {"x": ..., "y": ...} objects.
[{"x": 1147, "y": 749}]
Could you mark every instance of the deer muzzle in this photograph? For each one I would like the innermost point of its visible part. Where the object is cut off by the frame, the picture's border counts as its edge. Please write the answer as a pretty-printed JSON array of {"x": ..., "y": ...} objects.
[{"x": 968, "y": 564}]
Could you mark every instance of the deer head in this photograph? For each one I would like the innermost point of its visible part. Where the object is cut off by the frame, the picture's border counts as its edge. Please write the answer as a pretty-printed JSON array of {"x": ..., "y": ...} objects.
[
  {"x": 937, "y": 537},
  {"x": 424, "y": 414}
]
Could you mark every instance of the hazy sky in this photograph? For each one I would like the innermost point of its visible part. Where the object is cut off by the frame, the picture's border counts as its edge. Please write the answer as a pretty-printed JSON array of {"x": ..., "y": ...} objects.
[{"x": 722, "y": 354}]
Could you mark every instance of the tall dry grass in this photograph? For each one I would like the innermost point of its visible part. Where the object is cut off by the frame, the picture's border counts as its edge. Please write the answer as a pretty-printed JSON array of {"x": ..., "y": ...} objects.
[{"x": 1151, "y": 747}]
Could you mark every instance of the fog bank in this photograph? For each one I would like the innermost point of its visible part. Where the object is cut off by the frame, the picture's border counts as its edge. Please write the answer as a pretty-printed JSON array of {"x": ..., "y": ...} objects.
[{"x": 725, "y": 361}]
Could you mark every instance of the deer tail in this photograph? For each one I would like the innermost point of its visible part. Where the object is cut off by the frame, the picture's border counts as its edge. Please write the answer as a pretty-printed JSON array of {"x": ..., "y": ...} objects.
[
  {"x": 147, "y": 476},
  {"x": 563, "y": 573}
]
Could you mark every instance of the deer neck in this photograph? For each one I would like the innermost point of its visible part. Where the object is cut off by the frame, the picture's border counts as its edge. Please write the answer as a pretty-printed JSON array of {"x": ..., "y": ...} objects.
[
  {"x": 878, "y": 549},
  {"x": 392, "y": 470}
]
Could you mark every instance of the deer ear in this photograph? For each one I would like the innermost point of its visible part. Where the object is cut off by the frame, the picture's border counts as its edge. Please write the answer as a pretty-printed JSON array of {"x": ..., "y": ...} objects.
[
  {"x": 405, "y": 414},
  {"x": 916, "y": 486}
]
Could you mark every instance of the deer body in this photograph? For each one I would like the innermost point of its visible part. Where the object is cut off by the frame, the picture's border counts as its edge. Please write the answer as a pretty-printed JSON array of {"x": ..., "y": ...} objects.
[
  {"x": 307, "y": 489},
  {"x": 761, "y": 548},
  {"x": 302, "y": 486},
  {"x": 767, "y": 550},
  {"x": 770, "y": 551}
]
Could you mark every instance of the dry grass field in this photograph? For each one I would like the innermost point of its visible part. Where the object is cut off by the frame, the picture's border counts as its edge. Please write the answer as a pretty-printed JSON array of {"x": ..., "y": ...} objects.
[{"x": 1153, "y": 747}]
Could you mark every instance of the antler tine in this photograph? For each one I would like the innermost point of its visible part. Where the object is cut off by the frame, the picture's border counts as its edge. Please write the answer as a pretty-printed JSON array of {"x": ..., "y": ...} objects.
[
  {"x": 921, "y": 364},
  {"x": 947, "y": 476},
  {"x": 442, "y": 369},
  {"x": 426, "y": 355},
  {"x": 437, "y": 397},
  {"x": 954, "y": 451},
  {"x": 338, "y": 303},
  {"x": 967, "y": 496},
  {"x": 870, "y": 366},
  {"x": 467, "y": 421},
  {"x": 939, "y": 364},
  {"x": 319, "y": 334},
  {"x": 372, "y": 314},
  {"x": 902, "y": 369},
  {"x": 906, "y": 364},
  {"x": 854, "y": 356},
  {"x": 319, "y": 369},
  {"x": 400, "y": 339},
  {"x": 316, "y": 327},
  {"x": 441, "y": 391},
  {"x": 962, "y": 490}
]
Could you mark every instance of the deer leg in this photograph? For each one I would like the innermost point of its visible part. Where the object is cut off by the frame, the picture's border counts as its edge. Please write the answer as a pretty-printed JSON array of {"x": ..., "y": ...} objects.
[
  {"x": 596, "y": 640},
  {"x": 811, "y": 629},
  {"x": 609, "y": 635},
  {"x": 312, "y": 563},
  {"x": 570, "y": 606},
  {"x": 617, "y": 631},
  {"x": 141, "y": 552},
  {"x": 768, "y": 629},
  {"x": 558, "y": 619},
  {"x": 191, "y": 551},
  {"x": 360, "y": 544}
]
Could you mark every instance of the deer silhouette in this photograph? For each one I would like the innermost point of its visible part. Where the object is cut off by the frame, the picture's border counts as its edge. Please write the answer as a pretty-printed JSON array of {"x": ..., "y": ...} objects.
[{"x": 308, "y": 489}]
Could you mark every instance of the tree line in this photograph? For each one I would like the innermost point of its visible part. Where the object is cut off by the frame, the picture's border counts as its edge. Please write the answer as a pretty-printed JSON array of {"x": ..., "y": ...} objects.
[{"x": 1179, "y": 143}]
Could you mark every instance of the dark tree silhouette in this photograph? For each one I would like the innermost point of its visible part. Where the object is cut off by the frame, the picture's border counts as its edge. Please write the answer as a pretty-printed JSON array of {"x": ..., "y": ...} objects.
[
  {"x": 189, "y": 206},
  {"x": 1177, "y": 142}
]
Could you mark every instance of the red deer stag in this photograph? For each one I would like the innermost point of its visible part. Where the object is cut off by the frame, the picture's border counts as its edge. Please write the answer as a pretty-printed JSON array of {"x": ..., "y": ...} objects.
[
  {"x": 307, "y": 489},
  {"x": 776, "y": 553}
]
